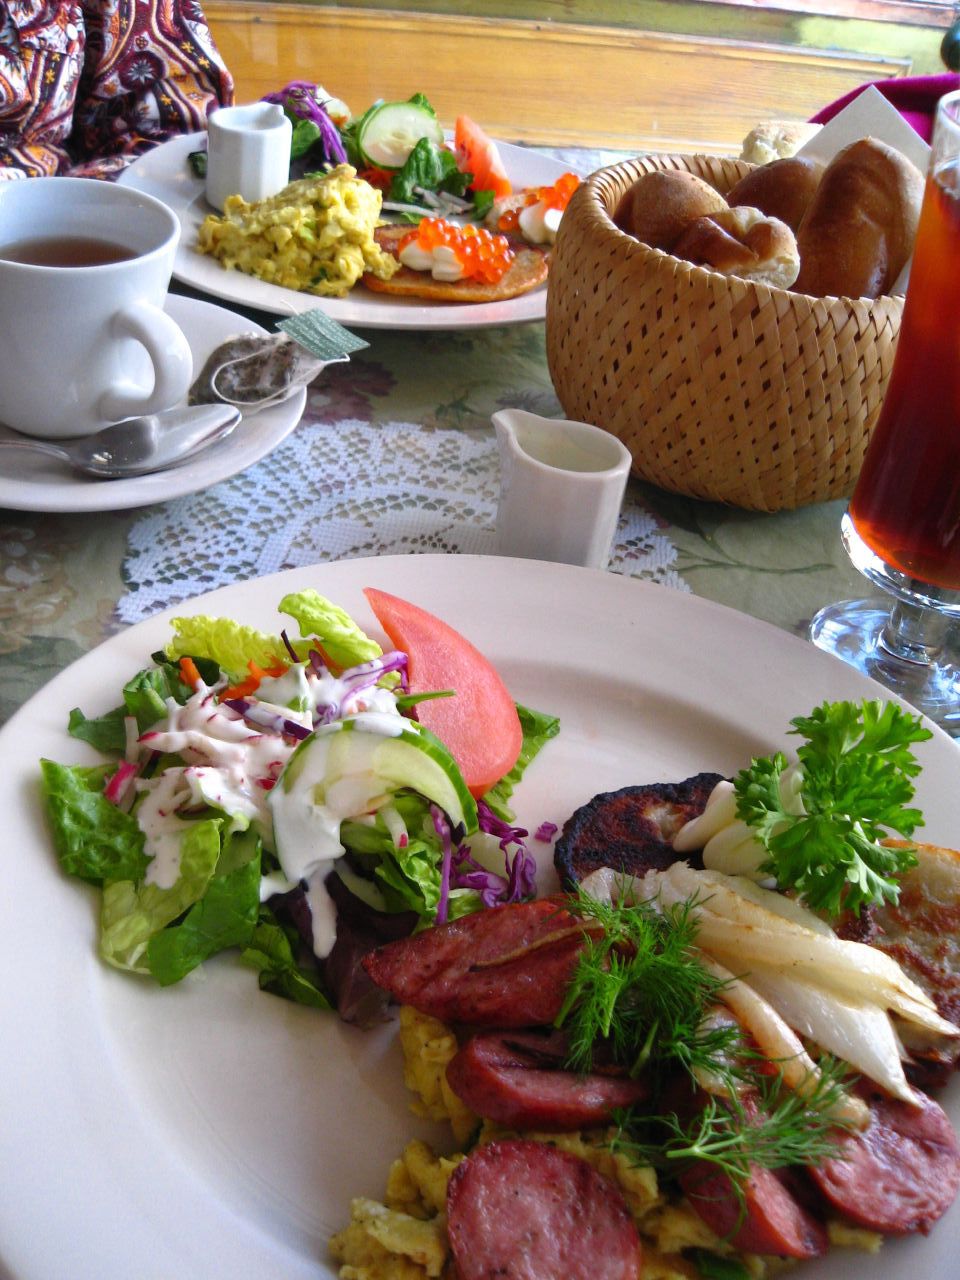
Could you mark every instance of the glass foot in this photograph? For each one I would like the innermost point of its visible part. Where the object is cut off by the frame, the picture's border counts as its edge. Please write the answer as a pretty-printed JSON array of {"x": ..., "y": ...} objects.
[{"x": 901, "y": 649}]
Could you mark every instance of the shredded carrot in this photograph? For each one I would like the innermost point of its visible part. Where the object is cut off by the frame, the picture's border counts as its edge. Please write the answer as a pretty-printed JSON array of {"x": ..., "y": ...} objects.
[
  {"x": 189, "y": 673},
  {"x": 244, "y": 688}
]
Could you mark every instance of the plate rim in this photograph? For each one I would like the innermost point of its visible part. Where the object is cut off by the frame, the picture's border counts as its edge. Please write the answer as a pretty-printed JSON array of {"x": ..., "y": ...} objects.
[{"x": 147, "y": 1201}]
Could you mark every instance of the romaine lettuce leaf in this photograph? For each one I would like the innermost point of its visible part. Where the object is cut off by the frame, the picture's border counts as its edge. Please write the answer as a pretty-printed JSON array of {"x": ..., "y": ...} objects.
[
  {"x": 538, "y": 728},
  {"x": 229, "y": 643},
  {"x": 132, "y": 913},
  {"x": 338, "y": 634},
  {"x": 224, "y": 917},
  {"x": 106, "y": 733},
  {"x": 270, "y": 952},
  {"x": 93, "y": 839}
]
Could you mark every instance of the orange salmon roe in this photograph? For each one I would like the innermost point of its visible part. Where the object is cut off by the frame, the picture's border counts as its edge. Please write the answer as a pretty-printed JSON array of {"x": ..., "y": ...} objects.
[
  {"x": 555, "y": 197},
  {"x": 482, "y": 255}
]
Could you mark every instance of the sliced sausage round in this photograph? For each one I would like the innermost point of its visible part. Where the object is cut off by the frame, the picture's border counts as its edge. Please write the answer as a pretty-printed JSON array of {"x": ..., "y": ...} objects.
[
  {"x": 509, "y": 966},
  {"x": 767, "y": 1220},
  {"x": 517, "y": 1079},
  {"x": 900, "y": 1174},
  {"x": 522, "y": 1210}
]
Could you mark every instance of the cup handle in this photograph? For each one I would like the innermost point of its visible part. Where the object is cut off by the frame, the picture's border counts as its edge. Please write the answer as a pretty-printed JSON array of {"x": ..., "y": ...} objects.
[{"x": 170, "y": 353}]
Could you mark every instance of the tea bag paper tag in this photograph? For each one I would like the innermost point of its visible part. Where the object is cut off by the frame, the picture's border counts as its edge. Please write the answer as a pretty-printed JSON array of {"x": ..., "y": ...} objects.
[
  {"x": 870, "y": 115},
  {"x": 255, "y": 372},
  {"x": 322, "y": 336}
]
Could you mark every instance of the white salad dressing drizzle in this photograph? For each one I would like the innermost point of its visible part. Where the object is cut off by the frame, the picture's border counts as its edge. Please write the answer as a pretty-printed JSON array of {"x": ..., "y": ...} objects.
[
  {"x": 307, "y": 818},
  {"x": 233, "y": 766}
]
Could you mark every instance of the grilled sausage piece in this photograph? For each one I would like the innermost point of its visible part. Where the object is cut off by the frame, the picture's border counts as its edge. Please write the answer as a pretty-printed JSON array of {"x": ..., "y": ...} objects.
[
  {"x": 769, "y": 1220},
  {"x": 630, "y": 830},
  {"x": 506, "y": 967},
  {"x": 517, "y": 1079},
  {"x": 521, "y": 1210},
  {"x": 900, "y": 1174}
]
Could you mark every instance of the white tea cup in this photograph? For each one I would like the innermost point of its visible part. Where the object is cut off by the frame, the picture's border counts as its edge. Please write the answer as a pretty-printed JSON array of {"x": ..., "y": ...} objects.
[
  {"x": 84, "y": 339},
  {"x": 561, "y": 488},
  {"x": 248, "y": 152}
]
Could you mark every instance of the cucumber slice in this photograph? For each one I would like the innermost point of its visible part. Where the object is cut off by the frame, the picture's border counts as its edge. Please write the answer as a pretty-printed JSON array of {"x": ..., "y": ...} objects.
[
  {"x": 341, "y": 767},
  {"x": 389, "y": 132}
]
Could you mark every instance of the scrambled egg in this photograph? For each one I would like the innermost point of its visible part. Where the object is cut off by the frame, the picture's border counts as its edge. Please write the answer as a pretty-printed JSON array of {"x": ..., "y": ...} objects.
[
  {"x": 405, "y": 1238},
  {"x": 315, "y": 235}
]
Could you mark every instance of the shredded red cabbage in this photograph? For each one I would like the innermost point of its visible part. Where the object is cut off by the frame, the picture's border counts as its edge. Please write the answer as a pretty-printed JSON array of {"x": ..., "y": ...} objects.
[
  {"x": 442, "y": 828},
  {"x": 545, "y": 832},
  {"x": 288, "y": 646},
  {"x": 488, "y": 821},
  {"x": 299, "y": 101},
  {"x": 260, "y": 718}
]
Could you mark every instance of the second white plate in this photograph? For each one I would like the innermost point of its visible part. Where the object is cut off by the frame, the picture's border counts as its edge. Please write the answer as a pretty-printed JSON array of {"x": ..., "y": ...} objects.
[{"x": 166, "y": 174}]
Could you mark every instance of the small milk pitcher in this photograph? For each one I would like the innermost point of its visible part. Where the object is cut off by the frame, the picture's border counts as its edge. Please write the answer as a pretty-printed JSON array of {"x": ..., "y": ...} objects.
[
  {"x": 561, "y": 488},
  {"x": 248, "y": 152}
]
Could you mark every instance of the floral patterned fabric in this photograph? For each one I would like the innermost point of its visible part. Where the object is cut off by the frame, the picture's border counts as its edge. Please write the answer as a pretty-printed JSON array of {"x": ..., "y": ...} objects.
[{"x": 86, "y": 85}]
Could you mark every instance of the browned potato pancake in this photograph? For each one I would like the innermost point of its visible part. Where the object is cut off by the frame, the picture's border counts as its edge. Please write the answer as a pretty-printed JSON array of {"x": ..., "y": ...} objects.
[{"x": 526, "y": 272}]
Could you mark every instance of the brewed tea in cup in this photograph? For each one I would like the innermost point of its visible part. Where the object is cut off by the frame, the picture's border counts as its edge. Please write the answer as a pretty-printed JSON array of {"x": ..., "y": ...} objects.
[{"x": 84, "y": 271}]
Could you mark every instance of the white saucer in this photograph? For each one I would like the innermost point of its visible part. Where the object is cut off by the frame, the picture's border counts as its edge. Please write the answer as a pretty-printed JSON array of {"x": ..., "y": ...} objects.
[{"x": 32, "y": 482}]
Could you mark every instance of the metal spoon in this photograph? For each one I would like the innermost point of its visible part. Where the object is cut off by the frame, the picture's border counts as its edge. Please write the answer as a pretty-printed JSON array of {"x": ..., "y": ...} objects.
[{"x": 140, "y": 445}]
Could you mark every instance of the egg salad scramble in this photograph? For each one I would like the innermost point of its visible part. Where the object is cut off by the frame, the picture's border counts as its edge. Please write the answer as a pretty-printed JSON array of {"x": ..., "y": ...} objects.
[
  {"x": 316, "y": 235},
  {"x": 405, "y": 1237}
]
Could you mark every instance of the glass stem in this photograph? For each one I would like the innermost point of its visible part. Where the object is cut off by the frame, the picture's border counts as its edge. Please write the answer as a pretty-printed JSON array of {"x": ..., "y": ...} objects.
[{"x": 914, "y": 633}]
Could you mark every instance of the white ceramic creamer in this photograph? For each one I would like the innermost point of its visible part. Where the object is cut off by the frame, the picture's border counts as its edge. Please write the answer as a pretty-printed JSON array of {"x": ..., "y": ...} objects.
[{"x": 561, "y": 488}]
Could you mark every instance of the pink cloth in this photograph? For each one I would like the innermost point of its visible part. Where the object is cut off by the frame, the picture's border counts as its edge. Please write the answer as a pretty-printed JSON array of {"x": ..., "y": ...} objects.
[
  {"x": 87, "y": 85},
  {"x": 915, "y": 97}
]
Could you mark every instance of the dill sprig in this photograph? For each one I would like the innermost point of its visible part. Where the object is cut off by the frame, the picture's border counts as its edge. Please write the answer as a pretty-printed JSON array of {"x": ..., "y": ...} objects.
[
  {"x": 776, "y": 1128},
  {"x": 640, "y": 990}
]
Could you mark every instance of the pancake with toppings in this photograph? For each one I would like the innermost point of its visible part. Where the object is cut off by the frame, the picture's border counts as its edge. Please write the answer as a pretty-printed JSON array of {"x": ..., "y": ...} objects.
[{"x": 527, "y": 271}]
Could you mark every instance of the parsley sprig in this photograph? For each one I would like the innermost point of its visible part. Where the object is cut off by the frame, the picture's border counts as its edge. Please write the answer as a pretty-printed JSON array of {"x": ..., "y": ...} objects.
[{"x": 856, "y": 769}]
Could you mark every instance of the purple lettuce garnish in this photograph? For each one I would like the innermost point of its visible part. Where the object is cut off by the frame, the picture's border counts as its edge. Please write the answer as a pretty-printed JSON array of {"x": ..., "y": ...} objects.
[{"x": 299, "y": 101}]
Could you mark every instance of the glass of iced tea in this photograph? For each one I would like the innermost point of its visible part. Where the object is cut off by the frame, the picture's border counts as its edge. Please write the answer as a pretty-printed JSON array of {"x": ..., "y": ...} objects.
[{"x": 902, "y": 527}]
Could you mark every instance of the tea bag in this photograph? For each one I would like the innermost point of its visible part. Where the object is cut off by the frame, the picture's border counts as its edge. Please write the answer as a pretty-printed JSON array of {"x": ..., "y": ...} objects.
[{"x": 254, "y": 371}]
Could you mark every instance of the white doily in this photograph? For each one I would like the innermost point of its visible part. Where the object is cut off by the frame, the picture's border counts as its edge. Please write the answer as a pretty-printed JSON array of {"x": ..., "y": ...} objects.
[{"x": 341, "y": 491}]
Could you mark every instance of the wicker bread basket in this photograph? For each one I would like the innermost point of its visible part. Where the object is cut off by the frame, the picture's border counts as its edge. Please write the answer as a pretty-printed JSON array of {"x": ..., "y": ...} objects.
[{"x": 721, "y": 389}]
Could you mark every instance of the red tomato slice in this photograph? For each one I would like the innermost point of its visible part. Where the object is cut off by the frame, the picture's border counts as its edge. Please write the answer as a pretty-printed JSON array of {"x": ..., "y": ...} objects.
[
  {"x": 479, "y": 725},
  {"x": 478, "y": 154}
]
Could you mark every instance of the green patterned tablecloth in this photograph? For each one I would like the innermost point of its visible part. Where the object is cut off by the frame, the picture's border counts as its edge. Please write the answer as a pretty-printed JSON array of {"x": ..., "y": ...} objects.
[{"x": 396, "y": 452}]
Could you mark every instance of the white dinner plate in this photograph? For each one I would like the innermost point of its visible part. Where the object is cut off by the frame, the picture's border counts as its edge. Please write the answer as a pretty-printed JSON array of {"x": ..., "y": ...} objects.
[
  {"x": 211, "y": 1132},
  {"x": 32, "y": 482},
  {"x": 165, "y": 173}
]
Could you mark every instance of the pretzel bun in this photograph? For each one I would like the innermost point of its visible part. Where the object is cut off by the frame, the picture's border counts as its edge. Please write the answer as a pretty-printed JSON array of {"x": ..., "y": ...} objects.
[
  {"x": 782, "y": 189},
  {"x": 660, "y": 204},
  {"x": 742, "y": 242},
  {"x": 858, "y": 232}
]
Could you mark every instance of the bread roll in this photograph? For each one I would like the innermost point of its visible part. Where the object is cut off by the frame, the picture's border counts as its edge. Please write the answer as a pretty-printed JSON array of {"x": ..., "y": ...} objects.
[
  {"x": 782, "y": 189},
  {"x": 742, "y": 242},
  {"x": 660, "y": 204},
  {"x": 858, "y": 232},
  {"x": 775, "y": 139}
]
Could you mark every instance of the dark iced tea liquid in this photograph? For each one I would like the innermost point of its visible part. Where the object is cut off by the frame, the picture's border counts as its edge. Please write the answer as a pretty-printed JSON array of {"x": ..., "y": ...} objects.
[{"x": 906, "y": 505}]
